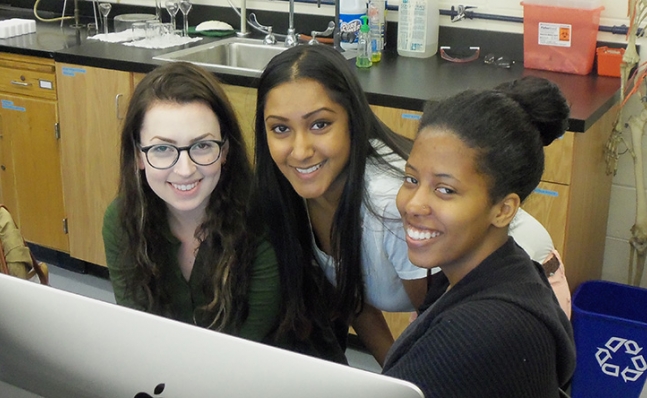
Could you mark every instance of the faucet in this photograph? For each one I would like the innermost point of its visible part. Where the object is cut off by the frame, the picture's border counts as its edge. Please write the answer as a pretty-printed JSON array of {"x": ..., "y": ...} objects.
[
  {"x": 334, "y": 25},
  {"x": 330, "y": 29},
  {"x": 291, "y": 38}
]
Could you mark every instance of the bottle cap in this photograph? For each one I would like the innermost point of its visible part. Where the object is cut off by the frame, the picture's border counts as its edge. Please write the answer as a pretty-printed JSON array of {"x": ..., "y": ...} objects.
[{"x": 364, "y": 28}]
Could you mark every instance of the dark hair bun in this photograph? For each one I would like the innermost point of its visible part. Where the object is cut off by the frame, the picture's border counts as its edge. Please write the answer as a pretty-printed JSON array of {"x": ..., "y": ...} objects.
[{"x": 544, "y": 103}]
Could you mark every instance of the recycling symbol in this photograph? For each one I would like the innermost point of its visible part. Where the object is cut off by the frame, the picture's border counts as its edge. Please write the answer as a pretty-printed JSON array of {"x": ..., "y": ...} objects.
[{"x": 613, "y": 350}]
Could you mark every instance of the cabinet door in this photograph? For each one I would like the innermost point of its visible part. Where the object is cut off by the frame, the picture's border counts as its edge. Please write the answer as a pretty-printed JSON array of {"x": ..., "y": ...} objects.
[
  {"x": 29, "y": 129},
  {"x": 93, "y": 102},
  {"x": 8, "y": 195},
  {"x": 558, "y": 165},
  {"x": 397, "y": 321},
  {"x": 401, "y": 121},
  {"x": 549, "y": 205},
  {"x": 243, "y": 99}
]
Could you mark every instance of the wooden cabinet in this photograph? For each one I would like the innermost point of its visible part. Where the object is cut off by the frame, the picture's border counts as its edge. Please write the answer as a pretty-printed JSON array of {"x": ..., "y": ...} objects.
[
  {"x": 243, "y": 99},
  {"x": 402, "y": 121},
  {"x": 572, "y": 201},
  {"x": 93, "y": 103},
  {"x": 30, "y": 170}
]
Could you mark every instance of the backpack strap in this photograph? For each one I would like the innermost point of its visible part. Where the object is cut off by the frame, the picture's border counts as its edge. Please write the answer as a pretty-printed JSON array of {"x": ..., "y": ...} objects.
[{"x": 4, "y": 268}]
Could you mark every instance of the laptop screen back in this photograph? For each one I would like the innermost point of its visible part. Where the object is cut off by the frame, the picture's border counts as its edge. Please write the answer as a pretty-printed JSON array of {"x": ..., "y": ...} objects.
[{"x": 59, "y": 344}]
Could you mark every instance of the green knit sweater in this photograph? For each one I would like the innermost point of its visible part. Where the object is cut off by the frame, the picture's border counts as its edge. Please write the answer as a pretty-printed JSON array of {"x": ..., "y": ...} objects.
[{"x": 185, "y": 296}]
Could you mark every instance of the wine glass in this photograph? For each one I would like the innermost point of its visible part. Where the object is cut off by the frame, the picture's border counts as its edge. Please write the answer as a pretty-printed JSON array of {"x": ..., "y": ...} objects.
[
  {"x": 158, "y": 10},
  {"x": 172, "y": 6},
  {"x": 105, "y": 8},
  {"x": 185, "y": 7}
]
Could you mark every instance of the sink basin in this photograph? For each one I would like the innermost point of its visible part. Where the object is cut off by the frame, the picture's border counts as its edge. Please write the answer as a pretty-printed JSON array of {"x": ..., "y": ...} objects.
[{"x": 240, "y": 56}]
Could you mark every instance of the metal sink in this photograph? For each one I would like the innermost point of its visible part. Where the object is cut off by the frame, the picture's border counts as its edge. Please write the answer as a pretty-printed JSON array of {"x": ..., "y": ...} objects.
[{"x": 240, "y": 56}]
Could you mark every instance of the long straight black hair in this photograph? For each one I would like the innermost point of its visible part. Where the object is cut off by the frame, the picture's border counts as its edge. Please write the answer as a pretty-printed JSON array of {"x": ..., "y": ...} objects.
[{"x": 285, "y": 211}]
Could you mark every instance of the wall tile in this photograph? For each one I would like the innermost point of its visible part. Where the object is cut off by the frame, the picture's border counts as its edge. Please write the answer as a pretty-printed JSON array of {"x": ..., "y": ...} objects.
[
  {"x": 616, "y": 260},
  {"x": 622, "y": 212}
]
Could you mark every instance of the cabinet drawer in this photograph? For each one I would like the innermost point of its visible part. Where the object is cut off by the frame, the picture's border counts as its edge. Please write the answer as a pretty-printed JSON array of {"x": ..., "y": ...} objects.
[
  {"x": 32, "y": 80},
  {"x": 549, "y": 205},
  {"x": 559, "y": 160},
  {"x": 402, "y": 121}
]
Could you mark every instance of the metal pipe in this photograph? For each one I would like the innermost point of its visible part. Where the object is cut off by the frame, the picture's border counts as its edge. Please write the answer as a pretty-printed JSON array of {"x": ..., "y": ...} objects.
[
  {"x": 291, "y": 38},
  {"x": 453, "y": 13},
  {"x": 336, "y": 35},
  {"x": 243, "y": 20}
]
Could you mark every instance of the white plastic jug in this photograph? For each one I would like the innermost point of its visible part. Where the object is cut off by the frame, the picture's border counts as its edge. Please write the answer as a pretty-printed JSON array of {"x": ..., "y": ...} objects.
[
  {"x": 350, "y": 13},
  {"x": 418, "y": 23}
]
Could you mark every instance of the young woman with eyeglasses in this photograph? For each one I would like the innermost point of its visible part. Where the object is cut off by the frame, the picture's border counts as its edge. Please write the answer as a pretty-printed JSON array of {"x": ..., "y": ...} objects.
[{"x": 180, "y": 238}]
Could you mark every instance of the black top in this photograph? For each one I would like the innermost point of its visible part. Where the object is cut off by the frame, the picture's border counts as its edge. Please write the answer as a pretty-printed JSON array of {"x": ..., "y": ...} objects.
[{"x": 499, "y": 332}]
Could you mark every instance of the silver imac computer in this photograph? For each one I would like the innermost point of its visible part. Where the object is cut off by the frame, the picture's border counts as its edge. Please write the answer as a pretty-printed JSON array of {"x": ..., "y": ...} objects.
[{"x": 59, "y": 344}]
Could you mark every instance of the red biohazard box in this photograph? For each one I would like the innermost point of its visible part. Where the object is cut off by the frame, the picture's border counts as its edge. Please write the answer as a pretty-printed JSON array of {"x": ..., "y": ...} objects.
[{"x": 560, "y": 36}]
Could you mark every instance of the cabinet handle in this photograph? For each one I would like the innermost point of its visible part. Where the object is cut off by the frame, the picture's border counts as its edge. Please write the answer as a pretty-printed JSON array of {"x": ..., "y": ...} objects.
[
  {"x": 22, "y": 84},
  {"x": 117, "y": 98}
]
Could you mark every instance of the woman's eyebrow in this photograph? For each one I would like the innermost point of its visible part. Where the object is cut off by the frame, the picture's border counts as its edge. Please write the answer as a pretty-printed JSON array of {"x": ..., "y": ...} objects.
[{"x": 307, "y": 115}]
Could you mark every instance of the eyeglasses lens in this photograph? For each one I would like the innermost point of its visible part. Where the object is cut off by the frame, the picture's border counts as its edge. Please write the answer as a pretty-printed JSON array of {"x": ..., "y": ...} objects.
[{"x": 204, "y": 152}]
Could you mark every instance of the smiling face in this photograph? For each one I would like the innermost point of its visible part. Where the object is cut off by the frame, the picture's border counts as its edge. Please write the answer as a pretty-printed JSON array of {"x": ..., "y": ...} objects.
[
  {"x": 308, "y": 137},
  {"x": 449, "y": 218},
  {"x": 185, "y": 187}
]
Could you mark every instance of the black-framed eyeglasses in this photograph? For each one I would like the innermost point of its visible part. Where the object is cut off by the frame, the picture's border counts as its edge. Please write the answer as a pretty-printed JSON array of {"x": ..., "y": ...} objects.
[{"x": 164, "y": 156}]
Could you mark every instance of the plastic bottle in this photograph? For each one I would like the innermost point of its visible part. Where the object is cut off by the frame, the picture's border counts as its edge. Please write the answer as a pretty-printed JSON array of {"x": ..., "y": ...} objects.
[
  {"x": 418, "y": 22},
  {"x": 350, "y": 13},
  {"x": 363, "y": 59},
  {"x": 377, "y": 25}
]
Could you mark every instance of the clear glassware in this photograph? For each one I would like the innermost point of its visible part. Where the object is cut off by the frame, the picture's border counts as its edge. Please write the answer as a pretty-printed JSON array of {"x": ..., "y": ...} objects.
[
  {"x": 138, "y": 30},
  {"x": 158, "y": 10},
  {"x": 172, "y": 6},
  {"x": 105, "y": 8},
  {"x": 185, "y": 7}
]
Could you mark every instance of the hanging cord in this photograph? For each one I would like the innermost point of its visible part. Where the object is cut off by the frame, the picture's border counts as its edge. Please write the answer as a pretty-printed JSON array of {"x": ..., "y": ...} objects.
[{"x": 47, "y": 19}]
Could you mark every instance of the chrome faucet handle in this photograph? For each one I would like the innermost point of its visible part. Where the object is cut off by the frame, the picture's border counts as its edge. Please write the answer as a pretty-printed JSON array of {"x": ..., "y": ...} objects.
[
  {"x": 291, "y": 38},
  {"x": 269, "y": 39},
  {"x": 458, "y": 14},
  {"x": 314, "y": 33}
]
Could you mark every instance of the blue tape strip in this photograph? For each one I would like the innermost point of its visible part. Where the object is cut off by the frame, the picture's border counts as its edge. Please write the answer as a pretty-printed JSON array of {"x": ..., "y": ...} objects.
[
  {"x": 68, "y": 71},
  {"x": 6, "y": 104},
  {"x": 546, "y": 192}
]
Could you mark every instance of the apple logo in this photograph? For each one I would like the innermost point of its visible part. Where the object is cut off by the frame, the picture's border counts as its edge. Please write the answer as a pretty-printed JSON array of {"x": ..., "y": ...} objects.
[{"x": 157, "y": 391}]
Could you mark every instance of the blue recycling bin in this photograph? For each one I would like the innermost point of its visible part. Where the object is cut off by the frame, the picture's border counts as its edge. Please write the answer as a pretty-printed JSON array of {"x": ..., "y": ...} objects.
[{"x": 610, "y": 327}]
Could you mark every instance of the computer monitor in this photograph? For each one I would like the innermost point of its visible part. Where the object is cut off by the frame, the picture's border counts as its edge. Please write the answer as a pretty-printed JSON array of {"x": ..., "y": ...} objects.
[{"x": 58, "y": 344}]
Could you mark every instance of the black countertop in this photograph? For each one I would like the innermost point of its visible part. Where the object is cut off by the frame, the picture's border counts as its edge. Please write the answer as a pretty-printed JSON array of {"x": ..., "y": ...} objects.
[{"x": 396, "y": 81}]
